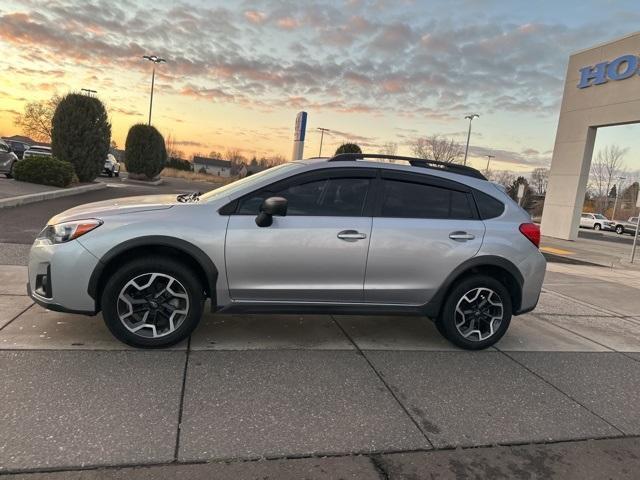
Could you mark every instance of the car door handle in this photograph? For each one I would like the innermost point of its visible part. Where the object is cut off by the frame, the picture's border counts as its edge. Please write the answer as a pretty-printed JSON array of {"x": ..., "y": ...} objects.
[
  {"x": 461, "y": 236},
  {"x": 351, "y": 235}
]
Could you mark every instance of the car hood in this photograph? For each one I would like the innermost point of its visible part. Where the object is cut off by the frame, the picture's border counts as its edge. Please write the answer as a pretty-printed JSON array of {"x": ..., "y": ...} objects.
[{"x": 116, "y": 206}]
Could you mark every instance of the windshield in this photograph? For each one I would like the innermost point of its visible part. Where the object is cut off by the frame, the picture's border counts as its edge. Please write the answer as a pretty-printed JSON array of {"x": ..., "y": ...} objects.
[
  {"x": 599, "y": 216},
  {"x": 248, "y": 181}
]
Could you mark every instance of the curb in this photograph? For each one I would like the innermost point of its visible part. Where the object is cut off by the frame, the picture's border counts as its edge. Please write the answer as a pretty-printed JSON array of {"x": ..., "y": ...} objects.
[
  {"x": 51, "y": 194},
  {"x": 152, "y": 183}
]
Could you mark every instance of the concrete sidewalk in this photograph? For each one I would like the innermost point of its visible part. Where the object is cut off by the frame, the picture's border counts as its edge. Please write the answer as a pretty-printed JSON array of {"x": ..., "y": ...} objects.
[
  {"x": 605, "y": 249},
  {"x": 365, "y": 390}
]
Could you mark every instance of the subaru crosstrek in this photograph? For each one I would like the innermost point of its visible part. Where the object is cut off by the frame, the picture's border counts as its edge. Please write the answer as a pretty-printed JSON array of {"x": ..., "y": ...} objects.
[{"x": 346, "y": 235}]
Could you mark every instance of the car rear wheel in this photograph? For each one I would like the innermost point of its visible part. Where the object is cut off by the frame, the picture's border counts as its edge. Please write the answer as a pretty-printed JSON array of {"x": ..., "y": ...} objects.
[
  {"x": 477, "y": 313},
  {"x": 152, "y": 302},
  {"x": 619, "y": 229},
  {"x": 597, "y": 227}
]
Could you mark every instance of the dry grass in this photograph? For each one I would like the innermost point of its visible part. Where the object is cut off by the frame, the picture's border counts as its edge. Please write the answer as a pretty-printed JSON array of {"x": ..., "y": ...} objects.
[{"x": 201, "y": 177}]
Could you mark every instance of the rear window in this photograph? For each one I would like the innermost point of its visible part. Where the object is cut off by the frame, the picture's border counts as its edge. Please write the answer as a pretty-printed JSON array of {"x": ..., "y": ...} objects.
[{"x": 488, "y": 206}]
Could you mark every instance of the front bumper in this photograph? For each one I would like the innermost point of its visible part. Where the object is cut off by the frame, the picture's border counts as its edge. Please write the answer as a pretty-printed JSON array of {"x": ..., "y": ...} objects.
[{"x": 59, "y": 276}]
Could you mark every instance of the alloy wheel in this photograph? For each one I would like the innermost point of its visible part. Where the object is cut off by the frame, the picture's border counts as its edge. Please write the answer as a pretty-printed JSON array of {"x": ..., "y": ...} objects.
[
  {"x": 153, "y": 305},
  {"x": 478, "y": 314}
]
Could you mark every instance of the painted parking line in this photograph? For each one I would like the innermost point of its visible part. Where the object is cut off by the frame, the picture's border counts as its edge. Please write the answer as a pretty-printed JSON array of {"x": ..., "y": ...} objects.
[{"x": 557, "y": 251}]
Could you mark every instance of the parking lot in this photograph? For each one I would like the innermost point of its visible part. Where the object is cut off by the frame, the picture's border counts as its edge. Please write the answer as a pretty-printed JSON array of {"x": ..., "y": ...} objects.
[{"x": 318, "y": 396}]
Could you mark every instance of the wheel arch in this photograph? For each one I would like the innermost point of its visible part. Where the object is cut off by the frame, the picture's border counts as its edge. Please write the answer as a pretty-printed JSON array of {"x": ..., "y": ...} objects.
[
  {"x": 496, "y": 267},
  {"x": 177, "y": 248}
]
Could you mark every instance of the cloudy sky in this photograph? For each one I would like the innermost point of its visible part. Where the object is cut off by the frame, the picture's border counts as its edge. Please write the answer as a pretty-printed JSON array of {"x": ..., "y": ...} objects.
[{"x": 372, "y": 71}]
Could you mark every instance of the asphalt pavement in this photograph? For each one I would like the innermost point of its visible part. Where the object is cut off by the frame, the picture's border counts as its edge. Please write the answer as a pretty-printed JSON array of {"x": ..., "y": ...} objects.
[{"x": 20, "y": 225}]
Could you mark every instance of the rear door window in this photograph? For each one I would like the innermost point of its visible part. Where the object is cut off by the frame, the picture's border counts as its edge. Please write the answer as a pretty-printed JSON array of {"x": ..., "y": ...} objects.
[{"x": 402, "y": 199}]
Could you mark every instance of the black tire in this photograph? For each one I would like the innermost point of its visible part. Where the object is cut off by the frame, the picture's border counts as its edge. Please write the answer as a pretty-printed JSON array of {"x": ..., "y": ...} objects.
[
  {"x": 597, "y": 227},
  {"x": 449, "y": 316},
  {"x": 9, "y": 174},
  {"x": 166, "y": 266},
  {"x": 619, "y": 229}
]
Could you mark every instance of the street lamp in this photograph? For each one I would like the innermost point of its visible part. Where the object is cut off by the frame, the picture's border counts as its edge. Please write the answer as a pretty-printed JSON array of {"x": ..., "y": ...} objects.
[
  {"x": 489, "y": 157},
  {"x": 615, "y": 203},
  {"x": 322, "y": 130},
  {"x": 155, "y": 59},
  {"x": 470, "y": 118}
]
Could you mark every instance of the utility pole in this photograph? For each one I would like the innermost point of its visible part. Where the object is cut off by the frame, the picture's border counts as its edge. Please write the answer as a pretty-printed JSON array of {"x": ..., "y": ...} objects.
[
  {"x": 156, "y": 60},
  {"x": 615, "y": 203},
  {"x": 470, "y": 118},
  {"x": 322, "y": 130},
  {"x": 489, "y": 157}
]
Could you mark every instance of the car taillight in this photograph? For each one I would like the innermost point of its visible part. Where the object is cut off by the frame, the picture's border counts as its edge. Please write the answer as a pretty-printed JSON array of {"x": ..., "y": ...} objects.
[{"x": 532, "y": 232}]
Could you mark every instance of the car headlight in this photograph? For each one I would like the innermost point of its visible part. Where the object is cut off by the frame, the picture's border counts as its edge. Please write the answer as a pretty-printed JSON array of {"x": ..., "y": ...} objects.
[{"x": 67, "y": 231}]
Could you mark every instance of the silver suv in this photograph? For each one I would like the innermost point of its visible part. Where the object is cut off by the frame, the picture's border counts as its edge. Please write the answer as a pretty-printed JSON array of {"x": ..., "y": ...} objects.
[{"x": 340, "y": 236}]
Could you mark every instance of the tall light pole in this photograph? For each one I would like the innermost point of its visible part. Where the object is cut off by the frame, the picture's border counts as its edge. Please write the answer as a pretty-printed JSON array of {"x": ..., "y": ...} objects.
[
  {"x": 322, "y": 130},
  {"x": 489, "y": 157},
  {"x": 155, "y": 59},
  {"x": 615, "y": 203},
  {"x": 470, "y": 118}
]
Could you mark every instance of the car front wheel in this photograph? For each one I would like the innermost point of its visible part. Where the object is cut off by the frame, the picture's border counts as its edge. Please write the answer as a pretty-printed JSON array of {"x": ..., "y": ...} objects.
[
  {"x": 597, "y": 227},
  {"x": 477, "y": 313},
  {"x": 153, "y": 302}
]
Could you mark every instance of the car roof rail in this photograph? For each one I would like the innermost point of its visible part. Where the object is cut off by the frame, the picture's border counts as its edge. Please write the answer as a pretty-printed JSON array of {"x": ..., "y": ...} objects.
[{"x": 414, "y": 162}]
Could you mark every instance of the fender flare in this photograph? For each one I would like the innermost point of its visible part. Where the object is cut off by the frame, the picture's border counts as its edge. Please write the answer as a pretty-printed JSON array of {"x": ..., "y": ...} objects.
[
  {"x": 201, "y": 258},
  {"x": 433, "y": 307}
]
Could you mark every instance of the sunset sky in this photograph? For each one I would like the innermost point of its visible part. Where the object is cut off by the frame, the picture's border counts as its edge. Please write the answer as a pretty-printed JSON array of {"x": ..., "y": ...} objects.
[{"x": 371, "y": 71}]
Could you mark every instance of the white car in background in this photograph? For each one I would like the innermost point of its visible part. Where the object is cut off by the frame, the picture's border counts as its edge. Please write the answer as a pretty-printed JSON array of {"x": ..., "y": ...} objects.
[
  {"x": 596, "y": 221},
  {"x": 37, "y": 151},
  {"x": 111, "y": 166}
]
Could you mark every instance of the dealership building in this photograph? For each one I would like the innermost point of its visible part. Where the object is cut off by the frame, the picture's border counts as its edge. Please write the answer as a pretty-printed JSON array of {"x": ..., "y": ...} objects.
[{"x": 602, "y": 89}]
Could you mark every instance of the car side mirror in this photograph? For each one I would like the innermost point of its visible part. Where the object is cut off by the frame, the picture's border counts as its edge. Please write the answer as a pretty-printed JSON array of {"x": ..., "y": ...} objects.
[{"x": 270, "y": 207}]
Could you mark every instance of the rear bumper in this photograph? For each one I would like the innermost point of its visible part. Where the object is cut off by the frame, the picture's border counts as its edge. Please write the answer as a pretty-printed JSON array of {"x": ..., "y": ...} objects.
[{"x": 533, "y": 269}]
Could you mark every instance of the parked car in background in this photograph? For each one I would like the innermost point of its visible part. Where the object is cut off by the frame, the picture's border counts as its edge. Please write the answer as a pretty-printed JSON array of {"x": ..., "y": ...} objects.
[
  {"x": 37, "y": 150},
  {"x": 628, "y": 226},
  {"x": 339, "y": 236},
  {"x": 17, "y": 147},
  {"x": 7, "y": 159},
  {"x": 597, "y": 221},
  {"x": 111, "y": 166}
]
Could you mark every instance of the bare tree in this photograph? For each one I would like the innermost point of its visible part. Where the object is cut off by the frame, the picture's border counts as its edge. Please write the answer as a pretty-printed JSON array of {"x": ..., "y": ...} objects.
[
  {"x": 540, "y": 180},
  {"x": 608, "y": 164},
  {"x": 389, "y": 148},
  {"x": 35, "y": 121},
  {"x": 437, "y": 148},
  {"x": 172, "y": 149},
  {"x": 502, "y": 177}
]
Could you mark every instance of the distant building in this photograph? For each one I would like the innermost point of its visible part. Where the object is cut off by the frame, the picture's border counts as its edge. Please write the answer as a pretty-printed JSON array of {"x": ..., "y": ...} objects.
[
  {"x": 246, "y": 170},
  {"x": 212, "y": 166},
  {"x": 29, "y": 141}
]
